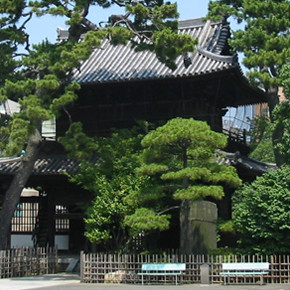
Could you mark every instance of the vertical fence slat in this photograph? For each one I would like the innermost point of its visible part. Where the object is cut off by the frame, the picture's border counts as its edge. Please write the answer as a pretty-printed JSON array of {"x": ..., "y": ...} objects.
[
  {"x": 99, "y": 268},
  {"x": 25, "y": 261}
]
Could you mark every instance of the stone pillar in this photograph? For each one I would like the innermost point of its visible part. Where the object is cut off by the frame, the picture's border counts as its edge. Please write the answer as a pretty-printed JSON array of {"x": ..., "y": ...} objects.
[{"x": 202, "y": 219}]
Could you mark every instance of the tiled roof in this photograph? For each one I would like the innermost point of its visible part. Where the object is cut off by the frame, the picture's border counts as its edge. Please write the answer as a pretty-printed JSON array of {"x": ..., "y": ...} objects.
[
  {"x": 251, "y": 165},
  {"x": 58, "y": 164},
  {"x": 46, "y": 165},
  {"x": 121, "y": 63}
]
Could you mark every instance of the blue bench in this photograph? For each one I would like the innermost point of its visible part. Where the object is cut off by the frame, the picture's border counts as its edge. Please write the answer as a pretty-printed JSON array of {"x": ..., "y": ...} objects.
[
  {"x": 166, "y": 269},
  {"x": 244, "y": 270}
]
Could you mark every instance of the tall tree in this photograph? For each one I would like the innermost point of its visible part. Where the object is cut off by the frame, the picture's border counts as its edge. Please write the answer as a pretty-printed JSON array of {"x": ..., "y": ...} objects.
[
  {"x": 181, "y": 154},
  {"x": 264, "y": 42},
  {"x": 40, "y": 78},
  {"x": 282, "y": 116}
]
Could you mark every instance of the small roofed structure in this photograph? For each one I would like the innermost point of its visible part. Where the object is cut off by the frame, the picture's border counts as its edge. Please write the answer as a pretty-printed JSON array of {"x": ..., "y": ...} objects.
[{"x": 49, "y": 213}]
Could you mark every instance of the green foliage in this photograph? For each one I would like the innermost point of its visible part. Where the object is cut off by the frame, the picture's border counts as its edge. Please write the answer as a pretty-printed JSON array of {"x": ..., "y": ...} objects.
[
  {"x": 41, "y": 97},
  {"x": 265, "y": 39},
  {"x": 183, "y": 151},
  {"x": 285, "y": 80},
  {"x": 261, "y": 139},
  {"x": 144, "y": 220},
  {"x": 225, "y": 252},
  {"x": 77, "y": 143},
  {"x": 119, "y": 35},
  {"x": 199, "y": 192},
  {"x": 282, "y": 116},
  {"x": 262, "y": 128},
  {"x": 43, "y": 86},
  {"x": 18, "y": 130},
  {"x": 264, "y": 151},
  {"x": 227, "y": 226},
  {"x": 168, "y": 45},
  {"x": 261, "y": 213},
  {"x": 105, "y": 222},
  {"x": 159, "y": 19},
  {"x": 112, "y": 179},
  {"x": 10, "y": 36}
]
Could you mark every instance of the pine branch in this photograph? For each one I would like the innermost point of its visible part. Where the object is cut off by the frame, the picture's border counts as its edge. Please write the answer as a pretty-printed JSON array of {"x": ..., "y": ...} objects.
[{"x": 168, "y": 209}]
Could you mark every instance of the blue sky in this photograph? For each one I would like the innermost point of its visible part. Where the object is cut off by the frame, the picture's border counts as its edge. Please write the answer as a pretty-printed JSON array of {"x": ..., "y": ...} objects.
[{"x": 46, "y": 27}]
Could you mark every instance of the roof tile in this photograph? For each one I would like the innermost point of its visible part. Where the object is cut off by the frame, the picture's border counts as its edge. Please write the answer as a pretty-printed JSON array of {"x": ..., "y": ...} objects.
[
  {"x": 46, "y": 165},
  {"x": 122, "y": 63}
]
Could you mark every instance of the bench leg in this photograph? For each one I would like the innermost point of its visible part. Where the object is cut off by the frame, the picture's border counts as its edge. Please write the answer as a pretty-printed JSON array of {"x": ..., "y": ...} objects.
[{"x": 224, "y": 280}]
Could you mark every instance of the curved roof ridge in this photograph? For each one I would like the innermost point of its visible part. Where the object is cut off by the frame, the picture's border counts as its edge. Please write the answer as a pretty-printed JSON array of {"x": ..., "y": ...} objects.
[
  {"x": 248, "y": 163},
  {"x": 194, "y": 22},
  {"x": 222, "y": 37},
  {"x": 5, "y": 160},
  {"x": 219, "y": 57}
]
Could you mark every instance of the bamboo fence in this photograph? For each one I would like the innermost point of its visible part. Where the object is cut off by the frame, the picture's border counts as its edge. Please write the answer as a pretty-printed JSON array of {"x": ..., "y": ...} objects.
[
  {"x": 109, "y": 268},
  {"x": 22, "y": 262}
]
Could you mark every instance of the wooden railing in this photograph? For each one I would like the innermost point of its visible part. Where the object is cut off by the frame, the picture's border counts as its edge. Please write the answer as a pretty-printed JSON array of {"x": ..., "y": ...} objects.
[
  {"x": 22, "y": 262},
  {"x": 100, "y": 268},
  {"x": 236, "y": 136}
]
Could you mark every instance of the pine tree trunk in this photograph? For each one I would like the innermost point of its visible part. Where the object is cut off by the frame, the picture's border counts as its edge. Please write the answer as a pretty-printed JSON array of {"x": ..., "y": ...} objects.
[
  {"x": 185, "y": 231},
  {"x": 12, "y": 195},
  {"x": 273, "y": 101}
]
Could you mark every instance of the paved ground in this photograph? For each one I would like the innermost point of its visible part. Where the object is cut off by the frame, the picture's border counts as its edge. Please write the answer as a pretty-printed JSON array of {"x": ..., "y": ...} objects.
[
  {"x": 71, "y": 282},
  {"x": 162, "y": 287},
  {"x": 38, "y": 282}
]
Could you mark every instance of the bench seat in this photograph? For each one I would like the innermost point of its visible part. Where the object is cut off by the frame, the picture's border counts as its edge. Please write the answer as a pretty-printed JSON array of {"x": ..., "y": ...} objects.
[
  {"x": 162, "y": 269},
  {"x": 242, "y": 273},
  {"x": 160, "y": 274},
  {"x": 244, "y": 270}
]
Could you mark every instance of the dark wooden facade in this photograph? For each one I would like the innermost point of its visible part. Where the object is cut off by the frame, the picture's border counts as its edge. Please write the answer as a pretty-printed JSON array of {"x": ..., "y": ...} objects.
[{"x": 119, "y": 105}]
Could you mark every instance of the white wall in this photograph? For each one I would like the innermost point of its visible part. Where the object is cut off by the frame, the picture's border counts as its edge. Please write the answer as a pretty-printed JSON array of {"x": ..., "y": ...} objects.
[
  {"x": 18, "y": 241},
  {"x": 61, "y": 242}
]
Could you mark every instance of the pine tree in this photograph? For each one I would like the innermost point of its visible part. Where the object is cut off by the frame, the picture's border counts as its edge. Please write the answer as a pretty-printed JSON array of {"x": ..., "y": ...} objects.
[
  {"x": 181, "y": 154},
  {"x": 282, "y": 116}
]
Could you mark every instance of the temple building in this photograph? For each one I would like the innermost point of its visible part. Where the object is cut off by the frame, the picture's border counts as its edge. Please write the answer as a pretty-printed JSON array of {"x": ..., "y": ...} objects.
[{"x": 119, "y": 87}]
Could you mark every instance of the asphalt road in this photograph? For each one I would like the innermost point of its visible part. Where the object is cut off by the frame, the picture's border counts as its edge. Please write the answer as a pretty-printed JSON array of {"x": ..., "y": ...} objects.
[
  {"x": 82, "y": 286},
  {"x": 63, "y": 281}
]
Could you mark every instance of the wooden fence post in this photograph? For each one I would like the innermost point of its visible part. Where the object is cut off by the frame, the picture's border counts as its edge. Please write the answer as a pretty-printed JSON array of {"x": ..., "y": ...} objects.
[{"x": 82, "y": 265}]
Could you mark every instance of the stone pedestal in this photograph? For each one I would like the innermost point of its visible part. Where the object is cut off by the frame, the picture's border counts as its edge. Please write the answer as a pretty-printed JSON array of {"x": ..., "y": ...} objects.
[
  {"x": 199, "y": 224},
  {"x": 203, "y": 217}
]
